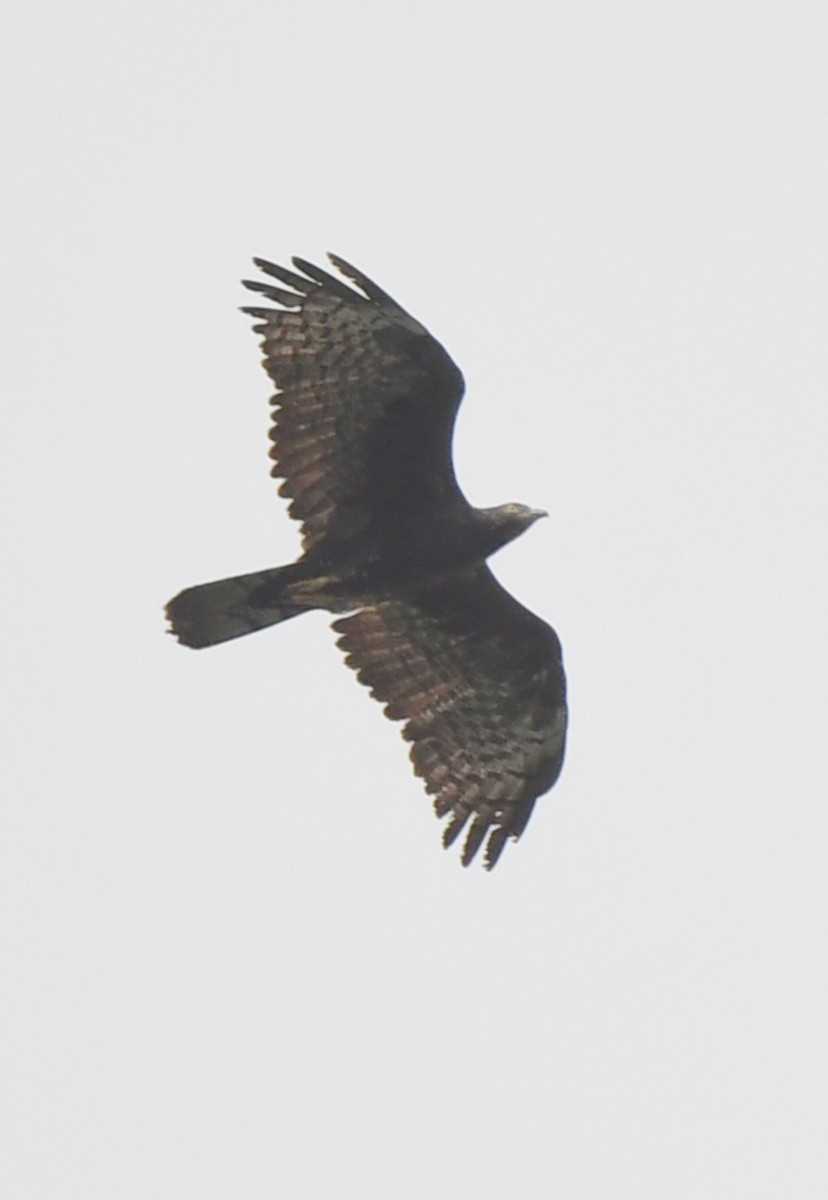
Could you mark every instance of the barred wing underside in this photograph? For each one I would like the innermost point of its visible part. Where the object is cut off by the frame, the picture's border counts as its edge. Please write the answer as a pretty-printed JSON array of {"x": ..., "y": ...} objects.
[
  {"x": 478, "y": 680},
  {"x": 364, "y": 417}
]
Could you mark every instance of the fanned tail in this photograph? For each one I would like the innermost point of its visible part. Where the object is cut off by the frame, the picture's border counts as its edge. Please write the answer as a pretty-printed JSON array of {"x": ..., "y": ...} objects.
[{"x": 229, "y": 608}]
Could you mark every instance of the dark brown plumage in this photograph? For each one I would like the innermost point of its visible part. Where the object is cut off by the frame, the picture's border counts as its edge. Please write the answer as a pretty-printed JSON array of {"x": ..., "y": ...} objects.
[{"x": 362, "y": 436}]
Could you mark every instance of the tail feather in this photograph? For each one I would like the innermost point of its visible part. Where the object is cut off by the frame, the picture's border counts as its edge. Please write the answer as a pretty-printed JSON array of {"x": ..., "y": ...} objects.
[{"x": 229, "y": 608}]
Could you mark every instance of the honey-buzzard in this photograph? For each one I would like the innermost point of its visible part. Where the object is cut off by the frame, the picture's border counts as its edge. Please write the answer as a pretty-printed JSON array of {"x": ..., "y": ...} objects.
[{"x": 362, "y": 432}]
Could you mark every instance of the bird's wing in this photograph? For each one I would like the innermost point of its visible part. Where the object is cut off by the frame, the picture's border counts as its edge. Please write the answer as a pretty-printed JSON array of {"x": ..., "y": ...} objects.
[
  {"x": 479, "y": 681},
  {"x": 365, "y": 410}
]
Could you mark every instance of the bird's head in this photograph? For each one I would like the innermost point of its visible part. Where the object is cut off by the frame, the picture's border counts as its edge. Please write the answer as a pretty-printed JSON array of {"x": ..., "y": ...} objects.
[
  {"x": 518, "y": 516},
  {"x": 522, "y": 514},
  {"x": 510, "y": 520}
]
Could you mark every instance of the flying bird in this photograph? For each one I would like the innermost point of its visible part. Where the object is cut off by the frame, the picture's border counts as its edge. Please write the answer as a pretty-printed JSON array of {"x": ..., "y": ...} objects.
[{"x": 362, "y": 431}]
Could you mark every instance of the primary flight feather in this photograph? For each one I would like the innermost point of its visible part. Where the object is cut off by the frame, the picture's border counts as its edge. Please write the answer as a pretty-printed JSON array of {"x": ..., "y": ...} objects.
[{"x": 362, "y": 432}]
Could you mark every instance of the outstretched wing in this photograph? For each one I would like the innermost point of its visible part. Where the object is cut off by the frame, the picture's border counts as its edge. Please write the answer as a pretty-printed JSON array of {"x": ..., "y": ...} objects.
[
  {"x": 478, "y": 679},
  {"x": 365, "y": 410}
]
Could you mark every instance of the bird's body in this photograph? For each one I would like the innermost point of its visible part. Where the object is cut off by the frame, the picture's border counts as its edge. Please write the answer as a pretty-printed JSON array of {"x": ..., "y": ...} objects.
[{"x": 362, "y": 431}]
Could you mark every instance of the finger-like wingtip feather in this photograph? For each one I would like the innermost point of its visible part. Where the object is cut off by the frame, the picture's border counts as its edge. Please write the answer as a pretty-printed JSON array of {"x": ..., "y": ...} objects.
[
  {"x": 474, "y": 838},
  {"x": 324, "y": 278},
  {"x": 371, "y": 289},
  {"x": 299, "y": 282},
  {"x": 494, "y": 847},
  {"x": 279, "y": 295}
]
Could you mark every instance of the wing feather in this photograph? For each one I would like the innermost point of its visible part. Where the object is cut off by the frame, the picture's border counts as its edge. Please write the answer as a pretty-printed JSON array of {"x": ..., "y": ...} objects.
[
  {"x": 365, "y": 411},
  {"x": 478, "y": 679},
  {"x": 305, "y": 286}
]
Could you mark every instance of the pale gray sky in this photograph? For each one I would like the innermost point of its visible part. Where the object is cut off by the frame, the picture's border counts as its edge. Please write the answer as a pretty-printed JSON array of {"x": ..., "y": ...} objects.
[{"x": 236, "y": 961}]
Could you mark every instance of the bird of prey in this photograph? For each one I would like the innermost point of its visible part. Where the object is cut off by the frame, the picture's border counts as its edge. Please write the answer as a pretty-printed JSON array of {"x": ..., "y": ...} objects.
[{"x": 362, "y": 431}]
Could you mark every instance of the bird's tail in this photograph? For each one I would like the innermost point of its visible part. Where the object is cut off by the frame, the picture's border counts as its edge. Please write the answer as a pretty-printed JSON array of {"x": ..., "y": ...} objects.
[{"x": 228, "y": 608}]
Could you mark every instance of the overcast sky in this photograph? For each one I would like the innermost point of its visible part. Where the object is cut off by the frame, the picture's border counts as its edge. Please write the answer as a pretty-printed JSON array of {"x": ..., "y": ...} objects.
[{"x": 236, "y": 961}]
